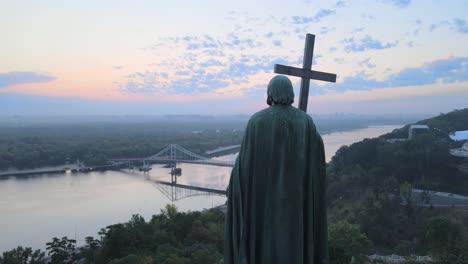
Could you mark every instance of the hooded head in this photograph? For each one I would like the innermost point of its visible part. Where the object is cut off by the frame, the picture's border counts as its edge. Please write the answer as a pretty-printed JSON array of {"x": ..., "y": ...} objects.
[{"x": 280, "y": 91}]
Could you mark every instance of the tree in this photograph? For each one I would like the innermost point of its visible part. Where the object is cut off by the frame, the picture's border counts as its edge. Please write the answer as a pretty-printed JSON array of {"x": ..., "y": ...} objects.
[
  {"x": 169, "y": 254},
  {"x": 405, "y": 248},
  {"x": 390, "y": 185},
  {"x": 204, "y": 254},
  {"x": 406, "y": 191},
  {"x": 133, "y": 259},
  {"x": 345, "y": 241},
  {"x": 88, "y": 250},
  {"x": 62, "y": 251},
  {"x": 444, "y": 237},
  {"x": 170, "y": 211},
  {"x": 22, "y": 255}
]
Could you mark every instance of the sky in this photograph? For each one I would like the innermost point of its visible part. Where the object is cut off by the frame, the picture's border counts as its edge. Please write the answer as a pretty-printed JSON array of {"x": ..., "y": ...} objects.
[{"x": 113, "y": 57}]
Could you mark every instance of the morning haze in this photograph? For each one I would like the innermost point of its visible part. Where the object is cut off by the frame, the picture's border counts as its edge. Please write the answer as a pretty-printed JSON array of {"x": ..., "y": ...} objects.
[{"x": 157, "y": 132}]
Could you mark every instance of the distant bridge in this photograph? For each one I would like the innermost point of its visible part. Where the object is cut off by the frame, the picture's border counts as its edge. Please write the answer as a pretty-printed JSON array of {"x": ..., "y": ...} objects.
[{"x": 176, "y": 153}]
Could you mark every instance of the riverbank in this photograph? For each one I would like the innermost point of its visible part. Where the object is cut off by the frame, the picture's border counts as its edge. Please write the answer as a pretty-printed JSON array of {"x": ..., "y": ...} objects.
[
  {"x": 50, "y": 169},
  {"x": 58, "y": 169},
  {"x": 333, "y": 141}
]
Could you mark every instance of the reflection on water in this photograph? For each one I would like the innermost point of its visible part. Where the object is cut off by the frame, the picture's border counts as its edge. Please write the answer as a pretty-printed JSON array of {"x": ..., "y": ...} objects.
[
  {"x": 176, "y": 191},
  {"x": 36, "y": 208}
]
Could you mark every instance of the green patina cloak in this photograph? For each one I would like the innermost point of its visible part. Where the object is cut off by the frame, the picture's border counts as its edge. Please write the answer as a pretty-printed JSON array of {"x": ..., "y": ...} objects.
[{"x": 276, "y": 195}]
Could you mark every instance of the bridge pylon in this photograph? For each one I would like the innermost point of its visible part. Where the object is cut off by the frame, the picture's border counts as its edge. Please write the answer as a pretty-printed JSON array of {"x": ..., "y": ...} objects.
[{"x": 176, "y": 152}]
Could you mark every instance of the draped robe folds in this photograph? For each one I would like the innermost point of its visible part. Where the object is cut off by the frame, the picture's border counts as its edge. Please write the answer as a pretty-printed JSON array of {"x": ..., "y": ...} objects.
[{"x": 276, "y": 196}]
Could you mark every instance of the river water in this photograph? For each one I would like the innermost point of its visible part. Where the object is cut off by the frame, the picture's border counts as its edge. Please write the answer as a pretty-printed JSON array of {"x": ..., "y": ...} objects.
[{"x": 36, "y": 208}]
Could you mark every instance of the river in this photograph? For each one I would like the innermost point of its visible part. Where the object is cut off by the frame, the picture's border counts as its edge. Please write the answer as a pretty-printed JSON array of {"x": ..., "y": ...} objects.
[{"x": 36, "y": 208}]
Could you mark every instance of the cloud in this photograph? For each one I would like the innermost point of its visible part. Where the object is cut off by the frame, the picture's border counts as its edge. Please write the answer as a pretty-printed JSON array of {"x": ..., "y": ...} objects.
[
  {"x": 444, "y": 70},
  {"x": 339, "y": 60},
  {"x": 438, "y": 25},
  {"x": 199, "y": 80},
  {"x": 234, "y": 63},
  {"x": 368, "y": 16},
  {"x": 340, "y": 3},
  {"x": 269, "y": 35},
  {"x": 19, "y": 77},
  {"x": 366, "y": 63},
  {"x": 316, "y": 18},
  {"x": 398, "y": 3},
  {"x": 457, "y": 25},
  {"x": 325, "y": 30},
  {"x": 366, "y": 43},
  {"x": 440, "y": 71},
  {"x": 460, "y": 26},
  {"x": 207, "y": 64}
]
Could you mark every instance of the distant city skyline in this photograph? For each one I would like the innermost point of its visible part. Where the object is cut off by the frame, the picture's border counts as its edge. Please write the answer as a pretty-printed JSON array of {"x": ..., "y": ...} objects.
[{"x": 216, "y": 57}]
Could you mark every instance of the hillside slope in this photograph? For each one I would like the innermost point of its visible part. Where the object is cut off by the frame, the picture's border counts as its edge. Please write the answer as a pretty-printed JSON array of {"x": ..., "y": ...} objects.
[{"x": 368, "y": 181}]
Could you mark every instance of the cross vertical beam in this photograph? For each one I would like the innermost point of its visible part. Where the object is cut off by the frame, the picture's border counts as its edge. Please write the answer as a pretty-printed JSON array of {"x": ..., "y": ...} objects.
[
  {"x": 306, "y": 73},
  {"x": 307, "y": 64}
]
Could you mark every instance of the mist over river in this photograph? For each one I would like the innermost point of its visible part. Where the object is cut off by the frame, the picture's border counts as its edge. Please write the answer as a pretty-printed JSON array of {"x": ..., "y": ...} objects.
[{"x": 34, "y": 209}]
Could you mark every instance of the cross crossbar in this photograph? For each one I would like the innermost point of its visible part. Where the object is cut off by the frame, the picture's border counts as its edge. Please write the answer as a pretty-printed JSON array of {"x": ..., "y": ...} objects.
[{"x": 304, "y": 73}]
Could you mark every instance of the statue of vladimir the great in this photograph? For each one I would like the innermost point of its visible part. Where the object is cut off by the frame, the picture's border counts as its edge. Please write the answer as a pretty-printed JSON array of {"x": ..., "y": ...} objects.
[{"x": 276, "y": 195}]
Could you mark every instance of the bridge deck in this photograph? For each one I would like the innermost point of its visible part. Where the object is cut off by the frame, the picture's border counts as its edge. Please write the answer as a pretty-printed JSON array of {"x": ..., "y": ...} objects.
[
  {"x": 175, "y": 153},
  {"x": 203, "y": 162},
  {"x": 223, "y": 149}
]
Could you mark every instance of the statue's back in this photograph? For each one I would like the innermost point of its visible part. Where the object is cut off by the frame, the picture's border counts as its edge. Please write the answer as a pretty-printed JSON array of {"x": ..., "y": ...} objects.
[{"x": 276, "y": 209}]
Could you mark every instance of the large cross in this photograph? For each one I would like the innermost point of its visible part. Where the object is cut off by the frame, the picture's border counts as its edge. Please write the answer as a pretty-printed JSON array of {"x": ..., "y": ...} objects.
[{"x": 306, "y": 72}]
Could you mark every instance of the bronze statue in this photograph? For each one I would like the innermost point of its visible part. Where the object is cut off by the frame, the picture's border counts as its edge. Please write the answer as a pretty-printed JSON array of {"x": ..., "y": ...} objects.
[{"x": 276, "y": 195}]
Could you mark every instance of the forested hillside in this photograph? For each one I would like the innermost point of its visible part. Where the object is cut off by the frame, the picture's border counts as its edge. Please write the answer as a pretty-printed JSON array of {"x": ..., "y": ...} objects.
[{"x": 369, "y": 180}]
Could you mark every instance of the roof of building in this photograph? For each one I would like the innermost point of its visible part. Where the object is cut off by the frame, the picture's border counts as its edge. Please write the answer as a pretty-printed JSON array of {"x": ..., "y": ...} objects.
[{"x": 459, "y": 135}]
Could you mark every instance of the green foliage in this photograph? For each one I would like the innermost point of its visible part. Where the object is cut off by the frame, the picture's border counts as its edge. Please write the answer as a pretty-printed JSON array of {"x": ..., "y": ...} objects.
[
  {"x": 171, "y": 237},
  {"x": 170, "y": 211},
  {"x": 445, "y": 237},
  {"x": 406, "y": 191},
  {"x": 450, "y": 122},
  {"x": 405, "y": 248},
  {"x": 133, "y": 259},
  {"x": 88, "y": 250},
  {"x": 62, "y": 251},
  {"x": 346, "y": 241},
  {"x": 368, "y": 181},
  {"x": 22, "y": 255},
  {"x": 93, "y": 143},
  {"x": 424, "y": 163}
]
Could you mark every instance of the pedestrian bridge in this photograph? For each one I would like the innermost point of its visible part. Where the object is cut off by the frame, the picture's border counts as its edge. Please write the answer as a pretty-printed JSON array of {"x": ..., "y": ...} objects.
[{"x": 176, "y": 153}]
